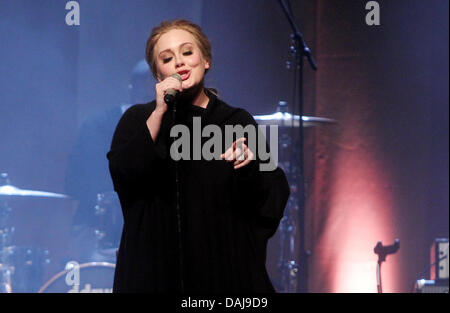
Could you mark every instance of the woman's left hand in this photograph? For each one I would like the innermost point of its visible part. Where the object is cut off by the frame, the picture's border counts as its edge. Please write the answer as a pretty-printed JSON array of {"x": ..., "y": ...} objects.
[{"x": 238, "y": 153}]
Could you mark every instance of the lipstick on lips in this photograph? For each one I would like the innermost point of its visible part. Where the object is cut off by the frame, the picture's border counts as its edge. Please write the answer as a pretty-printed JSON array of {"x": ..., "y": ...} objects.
[{"x": 184, "y": 74}]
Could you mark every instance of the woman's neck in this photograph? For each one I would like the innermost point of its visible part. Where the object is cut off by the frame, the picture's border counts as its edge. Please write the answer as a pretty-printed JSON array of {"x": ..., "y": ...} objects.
[
  {"x": 196, "y": 96},
  {"x": 201, "y": 100}
]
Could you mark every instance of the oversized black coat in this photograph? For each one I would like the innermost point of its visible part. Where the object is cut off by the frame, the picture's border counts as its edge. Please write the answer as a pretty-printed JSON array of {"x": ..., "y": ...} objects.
[{"x": 227, "y": 215}]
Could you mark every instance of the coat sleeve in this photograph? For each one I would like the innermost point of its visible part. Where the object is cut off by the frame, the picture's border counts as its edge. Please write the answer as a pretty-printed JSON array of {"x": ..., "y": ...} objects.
[
  {"x": 274, "y": 193},
  {"x": 267, "y": 192},
  {"x": 133, "y": 155}
]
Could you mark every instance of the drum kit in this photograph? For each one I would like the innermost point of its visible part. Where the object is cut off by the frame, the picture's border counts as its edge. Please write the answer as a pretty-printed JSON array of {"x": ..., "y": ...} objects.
[{"x": 22, "y": 268}]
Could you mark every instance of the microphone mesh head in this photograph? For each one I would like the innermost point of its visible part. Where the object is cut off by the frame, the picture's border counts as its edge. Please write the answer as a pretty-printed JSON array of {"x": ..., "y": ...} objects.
[{"x": 177, "y": 76}]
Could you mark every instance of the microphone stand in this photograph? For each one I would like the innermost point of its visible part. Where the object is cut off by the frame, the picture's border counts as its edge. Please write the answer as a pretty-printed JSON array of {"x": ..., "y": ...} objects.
[
  {"x": 382, "y": 252},
  {"x": 301, "y": 51},
  {"x": 173, "y": 105}
]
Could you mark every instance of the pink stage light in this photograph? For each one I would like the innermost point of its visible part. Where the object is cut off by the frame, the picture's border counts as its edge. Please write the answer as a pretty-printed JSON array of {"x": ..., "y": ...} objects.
[{"x": 361, "y": 215}]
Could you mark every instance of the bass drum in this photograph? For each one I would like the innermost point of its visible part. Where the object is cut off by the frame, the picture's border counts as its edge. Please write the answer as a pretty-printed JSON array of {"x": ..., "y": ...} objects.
[{"x": 93, "y": 277}]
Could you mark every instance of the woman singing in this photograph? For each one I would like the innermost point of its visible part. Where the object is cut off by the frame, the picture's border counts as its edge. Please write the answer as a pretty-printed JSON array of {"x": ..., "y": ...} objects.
[{"x": 207, "y": 232}]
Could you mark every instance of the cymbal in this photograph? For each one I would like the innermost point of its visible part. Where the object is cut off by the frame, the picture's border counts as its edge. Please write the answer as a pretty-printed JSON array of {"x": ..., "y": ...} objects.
[
  {"x": 11, "y": 191},
  {"x": 288, "y": 120}
]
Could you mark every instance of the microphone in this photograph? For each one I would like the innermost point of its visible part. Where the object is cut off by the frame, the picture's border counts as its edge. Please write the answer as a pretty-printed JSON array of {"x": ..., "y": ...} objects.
[
  {"x": 383, "y": 251},
  {"x": 171, "y": 94}
]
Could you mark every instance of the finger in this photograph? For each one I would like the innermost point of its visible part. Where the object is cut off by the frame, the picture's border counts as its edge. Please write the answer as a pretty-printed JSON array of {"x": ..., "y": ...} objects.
[
  {"x": 238, "y": 143},
  {"x": 241, "y": 154},
  {"x": 236, "y": 162},
  {"x": 228, "y": 155},
  {"x": 170, "y": 83},
  {"x": 174, "y": 84},
  {"x": 241, "y": 140},
  {"x": 231, "y": 153},
  {"x": 177, "y": 84},
  {"x": 242, "y": 164},
  {"x": 236, "y": 147},
  {"x": 248, "y": 154}
]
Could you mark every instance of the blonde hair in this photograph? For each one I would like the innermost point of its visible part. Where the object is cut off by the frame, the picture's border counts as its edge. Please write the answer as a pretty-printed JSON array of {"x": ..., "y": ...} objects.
[{"x": 164, "y": 27}]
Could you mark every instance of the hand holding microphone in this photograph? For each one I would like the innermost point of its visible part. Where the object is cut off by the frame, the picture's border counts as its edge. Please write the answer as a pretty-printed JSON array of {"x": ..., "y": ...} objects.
[
  {"x": 167, "y": 90},
  {"x": 169, "y": 87},
  {"x": 171, "y": 93}
]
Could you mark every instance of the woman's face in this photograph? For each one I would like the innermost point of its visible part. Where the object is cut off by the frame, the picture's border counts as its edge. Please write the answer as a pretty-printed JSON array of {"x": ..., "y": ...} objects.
[{"x": 177, "y": 51}]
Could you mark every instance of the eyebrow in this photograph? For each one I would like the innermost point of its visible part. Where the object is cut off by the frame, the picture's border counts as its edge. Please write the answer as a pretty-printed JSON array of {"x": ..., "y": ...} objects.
[{"x": 168, "y": 50}]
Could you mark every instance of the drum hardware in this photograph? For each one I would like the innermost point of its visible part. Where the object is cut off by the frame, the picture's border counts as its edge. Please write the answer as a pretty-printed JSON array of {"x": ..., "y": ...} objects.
[
  {"x": 24, "y": 268},
  {"x": 100, "y": 211},
  {"x": 109, "y": 223},
  {"x": 5, "y": 278},
  {"x": 5, "y": 212},
  {"x": 299, "y": 51},
  {"x": 21, "y": 268},
  {"x": 6, "y": 233}
]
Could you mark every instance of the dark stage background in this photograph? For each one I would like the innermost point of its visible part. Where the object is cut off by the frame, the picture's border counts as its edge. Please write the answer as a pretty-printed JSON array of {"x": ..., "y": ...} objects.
[{"x": 380, "y": 173}]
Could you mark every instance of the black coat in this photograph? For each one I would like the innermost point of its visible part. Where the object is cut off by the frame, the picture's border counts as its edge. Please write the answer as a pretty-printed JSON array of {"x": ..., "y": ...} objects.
[{"x": 227, "y": 215}]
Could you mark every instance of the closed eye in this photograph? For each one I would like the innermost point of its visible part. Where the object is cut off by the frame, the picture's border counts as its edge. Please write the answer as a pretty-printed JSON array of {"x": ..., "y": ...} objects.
[{"x": 168, "y": 59}]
